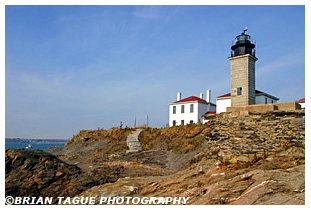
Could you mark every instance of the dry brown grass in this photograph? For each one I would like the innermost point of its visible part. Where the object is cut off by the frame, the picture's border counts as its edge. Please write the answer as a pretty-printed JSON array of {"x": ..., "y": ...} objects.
[
  {"x": 99, "y": 134},
  {"x": 180, "y": 139}
]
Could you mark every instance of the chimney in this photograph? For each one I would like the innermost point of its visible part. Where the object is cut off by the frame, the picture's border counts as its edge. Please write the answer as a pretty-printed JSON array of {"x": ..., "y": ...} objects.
[
  {"x": 201, "y": 95},
  {"x": 178, "y": 96},
  {"x": 208, "y": 96}
]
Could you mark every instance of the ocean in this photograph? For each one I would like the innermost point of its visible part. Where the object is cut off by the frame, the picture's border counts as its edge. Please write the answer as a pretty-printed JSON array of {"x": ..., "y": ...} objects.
[{"x": 33, "y": 144}]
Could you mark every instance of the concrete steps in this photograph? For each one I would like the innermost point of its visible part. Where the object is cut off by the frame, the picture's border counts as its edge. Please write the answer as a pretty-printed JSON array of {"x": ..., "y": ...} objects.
[{"x": 133, "y": 142}]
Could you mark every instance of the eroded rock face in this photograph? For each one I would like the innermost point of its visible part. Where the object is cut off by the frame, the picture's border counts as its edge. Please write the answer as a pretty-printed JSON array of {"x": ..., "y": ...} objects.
[
  {"x": 274, "y": 180},
  {"x": 37, "y": 173}
]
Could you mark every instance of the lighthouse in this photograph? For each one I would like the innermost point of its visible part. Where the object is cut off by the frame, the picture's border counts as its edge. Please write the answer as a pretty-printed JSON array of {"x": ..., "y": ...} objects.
[{"x": 242, "y": 71}]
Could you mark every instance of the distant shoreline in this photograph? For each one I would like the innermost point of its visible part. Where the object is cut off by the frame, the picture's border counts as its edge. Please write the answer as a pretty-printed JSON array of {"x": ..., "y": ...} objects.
[
  {"x": 11, "y": 140},
  {"x": 33, "y": 144}
]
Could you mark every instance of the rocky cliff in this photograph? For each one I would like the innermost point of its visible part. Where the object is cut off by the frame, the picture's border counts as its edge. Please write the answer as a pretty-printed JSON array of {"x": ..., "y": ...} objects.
[{"x": 254, "y": 159}]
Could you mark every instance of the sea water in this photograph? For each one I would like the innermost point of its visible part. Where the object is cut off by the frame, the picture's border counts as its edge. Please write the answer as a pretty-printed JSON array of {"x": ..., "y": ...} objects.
[{"x": 34, "y": 144}]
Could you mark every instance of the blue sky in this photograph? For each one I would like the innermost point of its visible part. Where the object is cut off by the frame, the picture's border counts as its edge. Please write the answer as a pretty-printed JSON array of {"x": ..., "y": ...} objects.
[{"x": 69, "y": 68}]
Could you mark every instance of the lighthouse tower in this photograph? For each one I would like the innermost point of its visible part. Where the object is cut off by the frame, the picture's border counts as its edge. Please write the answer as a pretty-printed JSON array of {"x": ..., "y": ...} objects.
[{"x": 242, "y": 71}]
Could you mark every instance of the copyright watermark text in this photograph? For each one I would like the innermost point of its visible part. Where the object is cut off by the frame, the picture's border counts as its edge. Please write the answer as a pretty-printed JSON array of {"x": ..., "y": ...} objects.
[{"x": 122, "y": 200}]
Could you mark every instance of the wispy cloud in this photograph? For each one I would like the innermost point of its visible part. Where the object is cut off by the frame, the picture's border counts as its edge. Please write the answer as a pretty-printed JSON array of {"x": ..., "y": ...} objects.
[
  {"x": 149, "y": 12},
  {"x": 283, "y": 64},
  {"x": 284, "y": 77},
  {"x": 75, "y": 18}
]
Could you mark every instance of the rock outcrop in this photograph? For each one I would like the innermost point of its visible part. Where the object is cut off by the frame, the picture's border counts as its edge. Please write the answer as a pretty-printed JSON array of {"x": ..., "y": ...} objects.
[
  {"x": 277, "y": 179},
  {"x": 248, "y": 138},
  {"x": 34, "y": 173}
]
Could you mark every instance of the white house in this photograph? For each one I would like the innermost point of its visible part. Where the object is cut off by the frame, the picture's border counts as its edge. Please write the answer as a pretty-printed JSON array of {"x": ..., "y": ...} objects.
[
  {"x": 190, "y": 109},
  {"x": 301, "y": 102},
  {"x": 224, "y": 101}
]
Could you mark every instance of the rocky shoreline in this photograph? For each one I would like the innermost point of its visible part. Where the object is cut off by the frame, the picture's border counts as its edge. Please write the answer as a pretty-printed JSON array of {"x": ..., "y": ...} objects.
[{"x": 254, "y": 159}]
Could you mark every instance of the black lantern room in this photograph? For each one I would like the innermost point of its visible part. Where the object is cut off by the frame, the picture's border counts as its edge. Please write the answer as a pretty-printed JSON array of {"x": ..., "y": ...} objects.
[{"x": 243, "y": 45}]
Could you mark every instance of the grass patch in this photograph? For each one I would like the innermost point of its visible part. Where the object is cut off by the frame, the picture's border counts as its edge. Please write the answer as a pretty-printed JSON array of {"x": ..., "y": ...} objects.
[
  {"x": 179, "y": 139},
  {"x": 116, "y": 134}
]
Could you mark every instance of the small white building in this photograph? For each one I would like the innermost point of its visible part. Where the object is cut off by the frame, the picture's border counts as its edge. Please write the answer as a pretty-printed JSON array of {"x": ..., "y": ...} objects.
[
  {"x": 301, "y": 102},
  {"x": 224, "y": 101},
  {"x": 190, "y": 109}
]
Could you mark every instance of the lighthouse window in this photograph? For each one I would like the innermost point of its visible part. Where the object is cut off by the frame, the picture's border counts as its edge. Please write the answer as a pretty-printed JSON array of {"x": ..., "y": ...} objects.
[{"x": 239, "y": 91}]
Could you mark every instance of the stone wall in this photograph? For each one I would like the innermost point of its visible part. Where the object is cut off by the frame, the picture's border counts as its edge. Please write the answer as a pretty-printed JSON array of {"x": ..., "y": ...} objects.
[
  {"x": 263, "y": 108},
  {"x": 252, "y": 108},
  {"x": 288, "y": 106}
]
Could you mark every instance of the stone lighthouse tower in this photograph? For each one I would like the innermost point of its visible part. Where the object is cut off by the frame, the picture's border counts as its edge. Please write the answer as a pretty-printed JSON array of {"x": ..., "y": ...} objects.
[{"x": 242, "y": 71}]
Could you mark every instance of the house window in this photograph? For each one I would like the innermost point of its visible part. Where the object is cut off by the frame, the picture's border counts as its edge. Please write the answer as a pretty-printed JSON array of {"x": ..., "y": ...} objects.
[
  {"x": 272, "y": 101},
  {"x": 182, "y": 122},
  {"x": 182, "y": 108},
  {"x": 174, "y": 109},
  {"x": 174, "y": 122},
  {"x": 191, "y": 108},
  {"x": 239, "y": 91},
  {"x": 191, "y": 121},
  {"x": 266, "y": 100}
]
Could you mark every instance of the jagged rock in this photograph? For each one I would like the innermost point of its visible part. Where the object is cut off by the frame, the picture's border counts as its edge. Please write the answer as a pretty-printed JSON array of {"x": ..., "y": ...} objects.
[
  {"x": 266, "y": 182},
  {"x": 37, "y": 173}
]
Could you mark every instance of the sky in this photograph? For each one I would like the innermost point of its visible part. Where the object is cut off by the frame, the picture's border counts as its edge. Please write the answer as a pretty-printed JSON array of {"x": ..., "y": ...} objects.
[{"x": 70, "y": 68}]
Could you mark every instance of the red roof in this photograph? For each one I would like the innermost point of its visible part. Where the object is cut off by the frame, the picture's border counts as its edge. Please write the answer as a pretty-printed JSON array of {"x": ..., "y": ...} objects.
[
  {"x": 302, "y": 100},
  {"x": 210, "y": 112},
  {"x": 191, "y": 98},
  {"x": 229, "y": 94},
  {"x": 224, "y": 96}
]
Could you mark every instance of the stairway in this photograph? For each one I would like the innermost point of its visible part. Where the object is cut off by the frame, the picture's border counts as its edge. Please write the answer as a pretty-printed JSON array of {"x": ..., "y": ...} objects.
[{"x": 133, "y": 142}]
